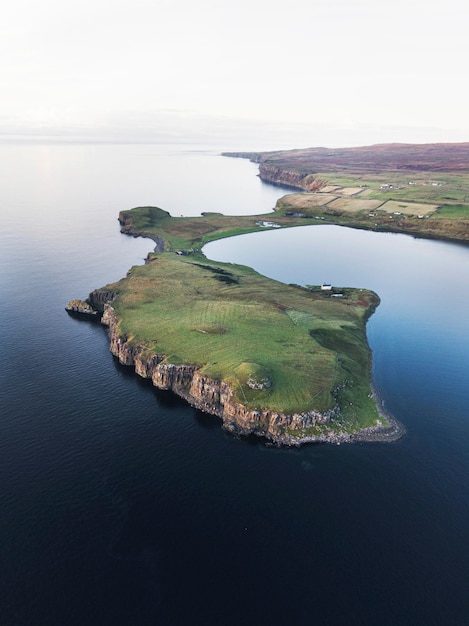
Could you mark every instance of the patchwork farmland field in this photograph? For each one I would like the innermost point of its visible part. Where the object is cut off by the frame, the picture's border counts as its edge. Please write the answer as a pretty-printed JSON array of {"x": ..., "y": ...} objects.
[
  {"x": 309, "y": 200},
  {"x": 354, "y": 204},
  {"x": 408, "y": 208},
  {"x": 349, "y": 191},
  {"x": 373, "y": 183}
]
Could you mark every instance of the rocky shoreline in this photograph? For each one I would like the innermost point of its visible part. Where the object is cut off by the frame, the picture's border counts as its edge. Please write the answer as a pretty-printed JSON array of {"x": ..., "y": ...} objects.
[
  {"x": 374, "y": 434},
  {"x": 390, "y": 433}
]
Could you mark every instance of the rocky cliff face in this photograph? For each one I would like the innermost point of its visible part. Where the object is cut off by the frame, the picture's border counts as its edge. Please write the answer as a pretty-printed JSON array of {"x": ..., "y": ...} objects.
[
  {"x": 214, "y": 396},
  {"x": 289, "y": 178},
  {"x": 278, "y": 175},
  {"x": 82, "y": 308},
  {"x": 99, "y": 297},
  {"x": 255, "y": 157}
]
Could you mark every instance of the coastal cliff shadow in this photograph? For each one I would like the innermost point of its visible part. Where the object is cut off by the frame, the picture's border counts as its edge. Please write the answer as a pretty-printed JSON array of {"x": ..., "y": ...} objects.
[
  {"x": 206, "y": 420},
  {"x": 164, "y": 398},
  {"x": 84, "y": 317},
  {"x": 213, "y": 422}
]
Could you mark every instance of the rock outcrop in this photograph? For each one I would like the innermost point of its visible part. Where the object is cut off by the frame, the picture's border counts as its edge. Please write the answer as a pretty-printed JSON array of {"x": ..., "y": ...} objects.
[
  {"x": 255, "y": 157},
  {"x": 306, "y": 181},
  {"x": 127, "y": 229},
  {"x": 99, "y": 297},
  {"x": 289, "y": 178},
  {"x": 81, "y": 308}
]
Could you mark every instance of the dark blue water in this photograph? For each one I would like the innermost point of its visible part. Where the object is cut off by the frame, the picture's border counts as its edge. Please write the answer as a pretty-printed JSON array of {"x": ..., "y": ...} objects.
[{"x": 120, "y": 505}]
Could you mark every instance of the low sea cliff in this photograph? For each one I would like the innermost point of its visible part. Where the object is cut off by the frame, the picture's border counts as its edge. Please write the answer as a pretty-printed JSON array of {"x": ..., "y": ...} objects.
[
  {"x": 289, "y": 178},
  {"x": 284, "y": 177},
  {"x": 216, "y": 397}
]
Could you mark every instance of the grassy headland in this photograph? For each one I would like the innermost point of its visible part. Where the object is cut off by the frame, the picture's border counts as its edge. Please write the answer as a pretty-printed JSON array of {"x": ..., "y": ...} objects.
[
  {"x": 286, "y": 350},
  {"x": 238, "y": 326},
  {"x": 192, "y": 233}
]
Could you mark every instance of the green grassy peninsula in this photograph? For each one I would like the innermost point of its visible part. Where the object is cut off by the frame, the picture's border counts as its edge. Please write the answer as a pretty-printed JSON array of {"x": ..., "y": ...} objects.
[{"x": 285, "y": 362}]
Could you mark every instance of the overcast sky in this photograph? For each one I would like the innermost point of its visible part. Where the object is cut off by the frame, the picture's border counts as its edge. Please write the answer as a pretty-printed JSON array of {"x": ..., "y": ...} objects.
[{"x": 333, "y": 72}]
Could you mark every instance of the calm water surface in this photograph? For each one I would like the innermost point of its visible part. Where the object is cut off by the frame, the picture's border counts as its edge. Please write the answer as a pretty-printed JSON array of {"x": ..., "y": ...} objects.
[{"x": 120, "y": 505}]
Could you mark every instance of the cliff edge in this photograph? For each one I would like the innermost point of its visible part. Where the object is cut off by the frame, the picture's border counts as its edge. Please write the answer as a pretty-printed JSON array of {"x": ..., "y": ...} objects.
[{"x": 216, "y": 398}]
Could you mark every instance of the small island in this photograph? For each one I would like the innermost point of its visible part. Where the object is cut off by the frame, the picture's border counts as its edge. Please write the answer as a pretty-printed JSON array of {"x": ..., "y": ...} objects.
[{"x": 289, "y": 363}]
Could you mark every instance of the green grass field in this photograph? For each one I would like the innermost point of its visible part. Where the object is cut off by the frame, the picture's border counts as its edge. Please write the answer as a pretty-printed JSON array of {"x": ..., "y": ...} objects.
[
  {"x": 453, "y": 211},
  {"x": 239, "y": 326}
]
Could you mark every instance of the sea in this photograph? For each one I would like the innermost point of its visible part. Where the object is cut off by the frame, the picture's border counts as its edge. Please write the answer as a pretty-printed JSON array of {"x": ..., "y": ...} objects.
[{"x": 123, "y": 506}]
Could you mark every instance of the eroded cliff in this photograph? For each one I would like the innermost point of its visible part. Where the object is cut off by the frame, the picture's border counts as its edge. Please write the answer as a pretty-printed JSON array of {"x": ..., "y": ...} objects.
[
  {"x": 289, "y": 178},
  {"x": 216, "y": 397}
]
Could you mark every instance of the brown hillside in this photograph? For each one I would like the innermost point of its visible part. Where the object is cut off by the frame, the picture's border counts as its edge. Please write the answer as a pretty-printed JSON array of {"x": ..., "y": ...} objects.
[{"x": 442, "y": 157}]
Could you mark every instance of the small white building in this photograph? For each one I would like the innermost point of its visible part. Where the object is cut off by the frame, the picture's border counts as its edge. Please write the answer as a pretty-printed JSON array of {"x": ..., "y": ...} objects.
[{"x": 326, "y": 287}]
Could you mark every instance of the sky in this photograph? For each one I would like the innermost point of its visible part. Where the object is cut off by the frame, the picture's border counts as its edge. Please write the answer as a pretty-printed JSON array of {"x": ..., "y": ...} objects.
[{"x": 296, "y": 72}]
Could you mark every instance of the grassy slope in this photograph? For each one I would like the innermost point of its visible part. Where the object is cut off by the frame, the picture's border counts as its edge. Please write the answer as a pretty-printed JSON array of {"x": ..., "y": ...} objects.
[{"x": 237, "y": 325}]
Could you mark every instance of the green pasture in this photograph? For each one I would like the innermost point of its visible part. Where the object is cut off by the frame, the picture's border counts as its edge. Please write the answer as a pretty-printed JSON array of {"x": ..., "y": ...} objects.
[
  {"x": 425, "y": 187},
  {"x": 453, "y": 211},
  {"x": 237, "y": 325}
]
